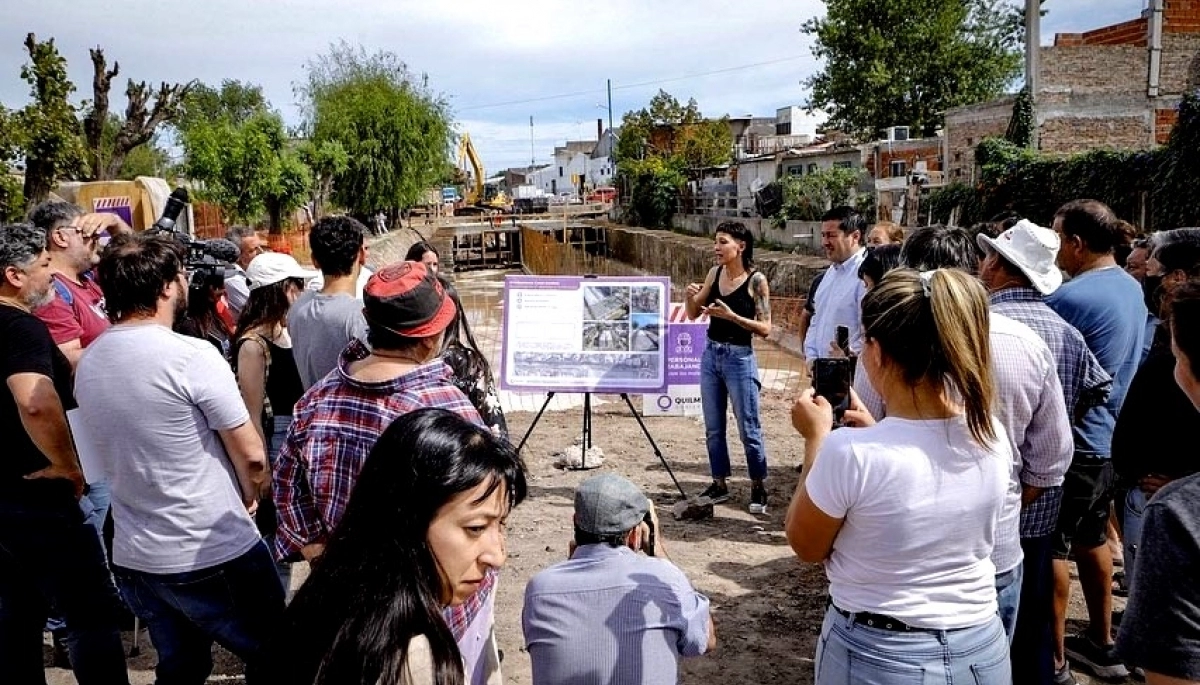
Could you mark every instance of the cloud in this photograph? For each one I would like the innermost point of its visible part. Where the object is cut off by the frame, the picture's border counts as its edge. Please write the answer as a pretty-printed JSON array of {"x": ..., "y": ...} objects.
[{"x": 476, "y": 53}]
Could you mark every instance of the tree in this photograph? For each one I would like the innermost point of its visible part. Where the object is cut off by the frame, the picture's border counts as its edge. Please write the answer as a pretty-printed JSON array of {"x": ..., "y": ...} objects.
[
  {"x": 394, "y": 129},
  {"x": 807, "y": 198},
  {"x": 903, "y": 62},
  {"x": 1021, "y": 127},
  {"x": 326, "y": 160},
  {"x": 12, "y": 201},
  {"x": 234, "y": 100},
  {"x": 247, "y": 168},
  {"x": 47, "y": 129},
  {"x": 138, "y": 125}
]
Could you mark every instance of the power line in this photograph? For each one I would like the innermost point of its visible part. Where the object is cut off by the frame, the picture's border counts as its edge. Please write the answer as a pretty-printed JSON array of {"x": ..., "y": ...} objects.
[{"x": 628, "y": 86}]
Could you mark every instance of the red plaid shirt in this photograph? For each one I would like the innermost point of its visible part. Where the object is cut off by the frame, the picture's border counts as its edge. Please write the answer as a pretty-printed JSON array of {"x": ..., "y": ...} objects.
[{"x": 334, "y": 426}]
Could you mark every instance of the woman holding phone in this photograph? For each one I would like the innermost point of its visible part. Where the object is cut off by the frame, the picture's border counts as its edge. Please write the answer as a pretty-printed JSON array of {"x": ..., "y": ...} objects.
[
  {"x": 911, "y": 583},
  {"x": 737, "y": 299}
]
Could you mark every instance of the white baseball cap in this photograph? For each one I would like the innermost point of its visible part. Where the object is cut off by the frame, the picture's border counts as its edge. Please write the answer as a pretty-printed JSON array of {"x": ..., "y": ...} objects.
[
  {"x": 1030, "y": 248},
  {"x": 269, "y": 268}
]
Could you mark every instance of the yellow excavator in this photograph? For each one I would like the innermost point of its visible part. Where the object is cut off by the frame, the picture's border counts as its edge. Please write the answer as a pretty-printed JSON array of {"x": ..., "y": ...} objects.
[{"x": 476, "y": 193}]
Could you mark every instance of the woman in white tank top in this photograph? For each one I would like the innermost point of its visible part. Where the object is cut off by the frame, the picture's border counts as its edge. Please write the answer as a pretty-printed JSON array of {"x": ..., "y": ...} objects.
[{"x": 903, "y": 513}]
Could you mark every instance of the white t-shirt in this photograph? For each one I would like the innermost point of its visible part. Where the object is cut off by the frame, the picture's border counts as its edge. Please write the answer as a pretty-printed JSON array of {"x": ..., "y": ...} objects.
[
  {"x": 152, "y": 400},
  {"x": 920, "y": 502}
]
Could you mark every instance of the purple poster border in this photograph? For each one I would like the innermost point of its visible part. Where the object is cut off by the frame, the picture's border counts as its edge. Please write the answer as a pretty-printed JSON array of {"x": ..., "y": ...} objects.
[{"x": 606, "y": 382}]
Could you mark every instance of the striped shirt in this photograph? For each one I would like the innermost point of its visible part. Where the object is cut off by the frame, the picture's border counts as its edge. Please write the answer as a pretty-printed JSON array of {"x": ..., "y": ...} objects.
[
  {"x": 1084, "y": 382},
  {"x": 1031, "y": 408},
  {"x": 334, "y": 427},
  {"x": 611, "y": 615}
]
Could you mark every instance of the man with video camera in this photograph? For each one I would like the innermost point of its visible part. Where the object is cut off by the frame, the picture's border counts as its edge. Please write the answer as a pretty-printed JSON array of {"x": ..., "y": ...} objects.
[{"x": 617, "y": 610}]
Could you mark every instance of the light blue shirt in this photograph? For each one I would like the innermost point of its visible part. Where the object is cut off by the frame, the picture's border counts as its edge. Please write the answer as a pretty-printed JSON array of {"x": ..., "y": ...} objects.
[
  {"x": 1107, "y": 307},
  {"x": 611, "y": 615},
  {"x": 838, "y": 302}
]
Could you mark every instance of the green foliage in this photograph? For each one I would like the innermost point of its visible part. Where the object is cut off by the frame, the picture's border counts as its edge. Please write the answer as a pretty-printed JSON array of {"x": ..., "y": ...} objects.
[
  {"x": 943, "y": 202},
  {"x": 658, "y": 145},
  {"x": 246, "y": 168},
  {"x": 47, "y": 129},
  {"x": 393, "y": 128},
  {"x": 1021, "y": 126},
  {"x": 147, "y": 159},
  {"x": 1174, "y": 179},
  {"x": 806, "y": 198},
  {"x": 326, "y": 160},
  {"x": 903, "y": 62},
  {"x": 234, "y": 100},
  {"x": 655, "y": 183}
]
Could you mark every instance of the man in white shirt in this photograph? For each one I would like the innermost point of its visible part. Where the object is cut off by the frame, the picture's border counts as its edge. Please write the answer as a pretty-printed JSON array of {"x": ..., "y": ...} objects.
[
  {"x": 170, "y": 433},
  {"x": 838, "y": 299}
]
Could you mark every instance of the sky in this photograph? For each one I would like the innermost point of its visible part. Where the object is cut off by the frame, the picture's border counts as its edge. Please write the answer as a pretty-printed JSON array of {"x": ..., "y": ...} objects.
[{"x": 498, "y": 64}]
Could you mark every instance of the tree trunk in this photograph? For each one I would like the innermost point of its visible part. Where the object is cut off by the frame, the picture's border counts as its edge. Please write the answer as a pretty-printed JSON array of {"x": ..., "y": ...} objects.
[
  {"x": 93, "y": 123},
  {"x": 275, "y": 218},
  {"x": 39, "y": 180}
]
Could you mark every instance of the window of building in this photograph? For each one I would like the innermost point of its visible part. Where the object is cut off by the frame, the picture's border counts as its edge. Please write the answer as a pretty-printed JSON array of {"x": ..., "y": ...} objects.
[
  {"x": 812, "y": 168},
  {"x": 899, "y": 168},
  {"x": 844, "y": 164},
  {"x": 560, "y": 172},
  {"x": 958, "y": 156},
  {"x": 795, "y": 171},
  {"x": 783, "y": 129},
  {"x": 970, "y": 142}
]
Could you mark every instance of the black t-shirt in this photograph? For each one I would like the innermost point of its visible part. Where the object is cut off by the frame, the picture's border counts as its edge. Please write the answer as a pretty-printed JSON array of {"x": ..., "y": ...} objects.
[
  {"x": 26, "y": 347},
  {"x": 1161, "y": 628},
  {"x": 742, "y": 304},
  {"x": 1156, "y": 422}
]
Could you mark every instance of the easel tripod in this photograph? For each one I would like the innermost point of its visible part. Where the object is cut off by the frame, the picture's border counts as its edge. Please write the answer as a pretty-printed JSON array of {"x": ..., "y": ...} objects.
[{"x": 586, "y": 443}]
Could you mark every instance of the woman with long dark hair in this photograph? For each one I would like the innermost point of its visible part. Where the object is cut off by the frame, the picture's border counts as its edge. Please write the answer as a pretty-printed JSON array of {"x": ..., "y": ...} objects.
[
  {"x": 737, "y": 299},
  {"x": 424, "y": 526},
  {"x": 202, "y": 320},
  {"x": 425, "y": 253},
  {"x": 264, "y": 364},
  {"x": 472, "y": 372},
  {"x": 904, "y": 513}
]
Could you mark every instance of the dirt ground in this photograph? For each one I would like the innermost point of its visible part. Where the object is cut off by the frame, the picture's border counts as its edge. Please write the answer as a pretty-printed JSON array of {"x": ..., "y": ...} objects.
[{"x": 767, "y": 604}]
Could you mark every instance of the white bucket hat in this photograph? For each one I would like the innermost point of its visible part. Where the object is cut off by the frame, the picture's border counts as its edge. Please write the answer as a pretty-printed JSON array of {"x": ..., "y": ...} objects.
[
  {"x": 1030, "y": 248},
  {"x": 272, "y": 267}
]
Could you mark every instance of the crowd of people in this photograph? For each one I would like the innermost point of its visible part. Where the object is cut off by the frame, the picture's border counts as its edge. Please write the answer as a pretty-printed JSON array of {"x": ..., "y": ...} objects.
[{"x": 227, "y": 425}]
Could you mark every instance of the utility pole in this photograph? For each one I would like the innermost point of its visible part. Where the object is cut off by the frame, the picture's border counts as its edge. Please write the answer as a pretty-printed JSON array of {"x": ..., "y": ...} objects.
[
  {"x": 612, "y": 135},
  {"x": 1033, "y": 46},
  {"x": 532, "y": 154}
]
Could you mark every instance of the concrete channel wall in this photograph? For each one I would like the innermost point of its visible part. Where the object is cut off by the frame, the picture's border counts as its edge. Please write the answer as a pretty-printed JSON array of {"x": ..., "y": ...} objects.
[{"x": 688, "y": 258}]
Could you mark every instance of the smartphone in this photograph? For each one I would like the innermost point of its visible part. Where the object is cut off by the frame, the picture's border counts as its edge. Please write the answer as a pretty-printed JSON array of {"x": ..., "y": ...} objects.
[
  {"x": 843, "y": 339},
  {"x": 831, "y": 380},
  {"x": 648, "y": 545}
]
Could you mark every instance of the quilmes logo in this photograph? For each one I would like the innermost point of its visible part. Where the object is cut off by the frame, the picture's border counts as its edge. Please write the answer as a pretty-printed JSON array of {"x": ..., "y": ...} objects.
[
  {"x": 664, "y": 402},
  {"x": 683, "y": 344}
]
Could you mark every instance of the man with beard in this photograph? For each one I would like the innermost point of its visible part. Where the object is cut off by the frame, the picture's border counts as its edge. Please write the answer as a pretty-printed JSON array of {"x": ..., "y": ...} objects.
[
  {"x": 173, "y": 438},
  {"x": 48, "y": 554}
]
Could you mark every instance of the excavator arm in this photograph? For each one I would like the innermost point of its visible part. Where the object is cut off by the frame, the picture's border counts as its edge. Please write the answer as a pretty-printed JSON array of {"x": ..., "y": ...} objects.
[{"x": 467, "y": 150}]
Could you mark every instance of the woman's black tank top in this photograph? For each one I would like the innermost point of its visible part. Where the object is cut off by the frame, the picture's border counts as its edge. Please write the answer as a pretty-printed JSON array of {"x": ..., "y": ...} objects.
[
  {"x": 742, "y": 304},
  {"x": 284, "y": 387}
]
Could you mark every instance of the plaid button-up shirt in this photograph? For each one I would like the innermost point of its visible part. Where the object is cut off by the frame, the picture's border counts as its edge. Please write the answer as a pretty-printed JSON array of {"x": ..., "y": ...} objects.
[
  {"x": 1084, "y": 383},
  {"x": 335, "y": 425}
]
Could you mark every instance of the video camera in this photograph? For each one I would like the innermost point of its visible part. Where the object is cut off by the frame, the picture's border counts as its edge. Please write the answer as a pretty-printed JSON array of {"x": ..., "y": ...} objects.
[{"x": 206, "y": 260}]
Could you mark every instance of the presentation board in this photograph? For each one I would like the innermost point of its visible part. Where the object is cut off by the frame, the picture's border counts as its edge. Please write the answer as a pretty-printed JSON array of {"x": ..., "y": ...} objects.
[
  {"x": 686, "y": 339},
  {"x": 583, "y": 334}
]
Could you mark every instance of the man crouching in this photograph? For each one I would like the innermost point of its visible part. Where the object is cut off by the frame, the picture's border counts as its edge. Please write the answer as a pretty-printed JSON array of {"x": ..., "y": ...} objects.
[{"x": 617, "y": 611}]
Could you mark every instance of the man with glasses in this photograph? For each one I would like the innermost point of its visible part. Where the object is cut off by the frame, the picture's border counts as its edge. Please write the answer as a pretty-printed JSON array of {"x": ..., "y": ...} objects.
[
  {"x": 75, "y": 316},
  {"x": 237, "y": 288}
]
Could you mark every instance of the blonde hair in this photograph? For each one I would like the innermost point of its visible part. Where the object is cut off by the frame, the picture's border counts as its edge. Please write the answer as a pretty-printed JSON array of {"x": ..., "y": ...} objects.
[{"x": 935, "y": 327}]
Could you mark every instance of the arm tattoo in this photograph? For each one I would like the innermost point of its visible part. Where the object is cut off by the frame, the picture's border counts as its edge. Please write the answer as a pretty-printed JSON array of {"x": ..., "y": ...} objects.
[{"x": 762, "y": 303}]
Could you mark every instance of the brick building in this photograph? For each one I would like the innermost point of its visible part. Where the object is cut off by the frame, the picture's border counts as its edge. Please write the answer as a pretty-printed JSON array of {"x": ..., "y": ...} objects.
[
  {"x": 904, "y": 171},
  {"x": 1113, "y": 87}
]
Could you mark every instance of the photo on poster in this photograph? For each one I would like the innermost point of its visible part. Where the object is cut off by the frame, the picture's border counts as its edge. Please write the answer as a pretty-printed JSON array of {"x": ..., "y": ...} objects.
[
  {"x": 606, "y": 336},
  {"x": 605, "y": 303},
  {"x": 646, "y": 332},
  {"x": 646, "y": 299}
]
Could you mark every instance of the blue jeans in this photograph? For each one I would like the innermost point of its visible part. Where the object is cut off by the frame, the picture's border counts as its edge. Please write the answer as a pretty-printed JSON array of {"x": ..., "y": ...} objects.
[
  {"x": 267, "y": 517},
  {"x": 729, "y": 373},
  {"x": 853, "y": 654},
  {"x": 236, "y": 604},
  {"x": 50, "y": 556},
  {"x": 1131, "y": 529},
  {"x": 1032, "y": 649},
  {"x": 94, "y": 505},
  {"x": 1008, "y": 596}
]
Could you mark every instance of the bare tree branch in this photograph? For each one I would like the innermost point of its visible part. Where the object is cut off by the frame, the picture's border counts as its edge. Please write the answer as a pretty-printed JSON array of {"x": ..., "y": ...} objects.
[
  {"x": 140, "y": 123},
  {"x": 93, "y": 123}
]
